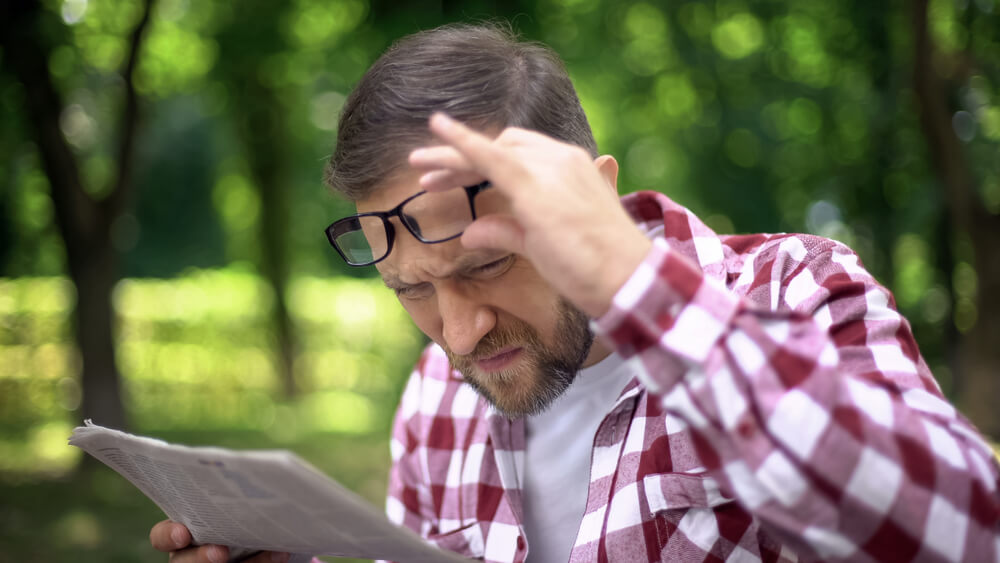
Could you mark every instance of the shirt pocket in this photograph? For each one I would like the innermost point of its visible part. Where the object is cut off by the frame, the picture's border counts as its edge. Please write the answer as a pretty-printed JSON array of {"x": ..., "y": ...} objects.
[
  {"x": 683, "y": 514},
  {"x": 681, "y": 491}
]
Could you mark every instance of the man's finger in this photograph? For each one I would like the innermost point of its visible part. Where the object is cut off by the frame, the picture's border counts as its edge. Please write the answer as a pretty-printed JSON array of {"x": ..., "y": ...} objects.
[
  {"x": 478, "y": 149},
  {"x": 169, "y": 536},
  {"x": 439, "y": 180},
  {"x": 432, "y": 158},
  {"x": 498, "y": 231},
  {"x": 201, "y": 554}
]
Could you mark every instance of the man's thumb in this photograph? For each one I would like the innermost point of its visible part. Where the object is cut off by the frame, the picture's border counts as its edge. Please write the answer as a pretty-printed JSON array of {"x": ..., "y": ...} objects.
[{"x": 495, "y": 231}]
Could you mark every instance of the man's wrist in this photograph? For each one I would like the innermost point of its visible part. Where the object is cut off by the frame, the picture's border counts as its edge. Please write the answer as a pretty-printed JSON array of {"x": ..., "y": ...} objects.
[{"x": 615, "y": 273}]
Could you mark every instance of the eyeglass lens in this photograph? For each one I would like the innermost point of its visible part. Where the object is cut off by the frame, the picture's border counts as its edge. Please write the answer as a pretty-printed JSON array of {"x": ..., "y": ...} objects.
[
  {"x": 430, "y": 217},
  {"x": 437, "y": 216},
  {"x": 363, "y": 239}
]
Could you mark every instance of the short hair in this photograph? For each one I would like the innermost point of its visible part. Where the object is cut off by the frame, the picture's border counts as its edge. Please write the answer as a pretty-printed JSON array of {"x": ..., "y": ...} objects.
[{"x": 480, "y": 74}]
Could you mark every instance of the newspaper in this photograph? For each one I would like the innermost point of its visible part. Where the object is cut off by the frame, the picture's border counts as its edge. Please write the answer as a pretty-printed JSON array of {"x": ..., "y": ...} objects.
[{"x": 255, "y": 500}]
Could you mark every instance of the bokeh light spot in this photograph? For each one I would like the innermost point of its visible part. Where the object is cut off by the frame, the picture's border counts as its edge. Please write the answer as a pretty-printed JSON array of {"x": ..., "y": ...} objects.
[{"x": 739, "y": 36}]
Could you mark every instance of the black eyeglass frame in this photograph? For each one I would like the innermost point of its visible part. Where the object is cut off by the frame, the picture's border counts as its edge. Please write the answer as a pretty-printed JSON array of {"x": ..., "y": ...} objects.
[{"x": 341, "y": 226}]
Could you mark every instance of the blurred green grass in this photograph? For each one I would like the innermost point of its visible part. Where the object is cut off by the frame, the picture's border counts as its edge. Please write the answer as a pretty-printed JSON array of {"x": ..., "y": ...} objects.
[
  {"x": 196, "y": 352},
  {"x": 98, "y": 516},
  {"x": 197, "y": 367}
]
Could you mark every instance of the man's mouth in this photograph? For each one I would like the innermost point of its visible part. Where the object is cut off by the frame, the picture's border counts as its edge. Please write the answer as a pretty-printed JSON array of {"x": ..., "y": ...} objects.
[{"x": 499, "y": 361}]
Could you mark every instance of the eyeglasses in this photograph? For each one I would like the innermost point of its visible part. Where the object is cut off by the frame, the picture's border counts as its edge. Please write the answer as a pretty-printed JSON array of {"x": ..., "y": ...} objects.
[{"x": 431, "y": 217}]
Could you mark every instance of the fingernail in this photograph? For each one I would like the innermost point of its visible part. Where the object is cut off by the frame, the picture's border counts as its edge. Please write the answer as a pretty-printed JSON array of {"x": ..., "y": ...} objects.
[
  {"x": 279, "y": 557},
  {"x": 178, "y": 536},
  {"x": 216, "y": 554}
]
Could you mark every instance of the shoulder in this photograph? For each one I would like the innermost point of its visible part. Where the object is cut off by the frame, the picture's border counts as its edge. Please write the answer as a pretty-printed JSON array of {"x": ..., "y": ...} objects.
[
  {"x": 795, "y": 271},
  {"x": 773, "y": 270}
]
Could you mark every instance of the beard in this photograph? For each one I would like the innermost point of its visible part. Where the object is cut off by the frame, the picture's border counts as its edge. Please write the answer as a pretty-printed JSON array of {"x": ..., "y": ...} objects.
[{"x": 541, "y": 374}]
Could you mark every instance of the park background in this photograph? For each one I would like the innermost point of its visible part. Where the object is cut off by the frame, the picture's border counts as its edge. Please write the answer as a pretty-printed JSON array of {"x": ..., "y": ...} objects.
[{"x": 162, "y": 261}]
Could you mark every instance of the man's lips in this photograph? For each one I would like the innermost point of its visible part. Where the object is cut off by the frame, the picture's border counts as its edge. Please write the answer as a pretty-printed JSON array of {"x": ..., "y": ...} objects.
[{"x": 500, "y": 360}]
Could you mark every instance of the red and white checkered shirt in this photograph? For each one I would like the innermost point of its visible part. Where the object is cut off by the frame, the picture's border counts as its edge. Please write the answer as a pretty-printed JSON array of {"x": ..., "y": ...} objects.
[{"x": 780, "y": 411}]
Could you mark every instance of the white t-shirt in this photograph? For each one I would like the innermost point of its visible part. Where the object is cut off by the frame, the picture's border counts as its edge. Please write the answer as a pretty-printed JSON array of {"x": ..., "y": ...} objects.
[{"x": 557, "y": 459}]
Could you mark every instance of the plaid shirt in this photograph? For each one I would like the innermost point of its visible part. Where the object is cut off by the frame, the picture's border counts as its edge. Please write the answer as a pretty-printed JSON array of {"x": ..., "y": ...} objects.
[{"x": 780, "y": 411}]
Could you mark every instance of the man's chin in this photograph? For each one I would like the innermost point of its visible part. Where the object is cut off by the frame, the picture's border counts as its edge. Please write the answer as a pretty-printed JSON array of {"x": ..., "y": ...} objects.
[
  {"x": 514, "y": 409},
  {"x": 506, "y": 391},
  {"x": 515, "y": 393}
]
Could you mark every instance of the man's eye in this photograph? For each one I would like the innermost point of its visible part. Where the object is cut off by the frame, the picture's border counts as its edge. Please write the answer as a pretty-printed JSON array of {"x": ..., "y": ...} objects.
[
  {"x": 418, "y": 291},
  {"x": 495, "y": 267}
]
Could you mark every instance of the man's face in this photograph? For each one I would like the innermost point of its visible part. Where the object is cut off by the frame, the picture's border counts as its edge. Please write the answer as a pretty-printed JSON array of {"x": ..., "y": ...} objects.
[{"x": 516, "y": 341}]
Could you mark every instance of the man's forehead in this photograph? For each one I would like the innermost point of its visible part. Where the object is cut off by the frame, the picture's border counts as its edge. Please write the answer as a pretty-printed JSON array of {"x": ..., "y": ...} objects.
[
  {"x": 403, "y": 181},
  {"x": 388, "y": 193}
]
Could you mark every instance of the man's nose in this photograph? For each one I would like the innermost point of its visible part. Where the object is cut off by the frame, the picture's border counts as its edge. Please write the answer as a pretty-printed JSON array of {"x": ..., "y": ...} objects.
[{"x": 465, "y": 319}]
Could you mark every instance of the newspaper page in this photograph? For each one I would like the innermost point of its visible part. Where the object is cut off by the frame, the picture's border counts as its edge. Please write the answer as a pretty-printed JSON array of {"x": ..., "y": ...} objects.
[{"x": 255, "y": 500}]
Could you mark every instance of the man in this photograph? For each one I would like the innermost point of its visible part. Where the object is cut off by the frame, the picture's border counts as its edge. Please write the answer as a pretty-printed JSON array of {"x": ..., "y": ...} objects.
[{"x": 747, "y": 397}]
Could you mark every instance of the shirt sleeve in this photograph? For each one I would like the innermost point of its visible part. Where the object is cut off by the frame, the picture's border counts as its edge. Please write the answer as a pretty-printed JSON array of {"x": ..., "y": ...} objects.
[{"x": 808, "y": 400}]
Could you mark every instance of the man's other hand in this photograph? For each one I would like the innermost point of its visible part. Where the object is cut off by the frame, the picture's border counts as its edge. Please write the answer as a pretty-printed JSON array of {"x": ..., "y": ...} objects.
[{"x": 175, "y": 539}]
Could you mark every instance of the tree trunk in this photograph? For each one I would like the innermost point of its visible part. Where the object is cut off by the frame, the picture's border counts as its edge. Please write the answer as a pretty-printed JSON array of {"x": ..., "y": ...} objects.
[
  {"x": 981, "y": 350},
  {"x": 253, "y": 35},
  {"x": 263, "y": 136},
  {"x": 83, "y": 223},
  {"x": 977, "y": 363},
  {"x": 870, "y": 17},
  {"x": 95, "y": 277}
]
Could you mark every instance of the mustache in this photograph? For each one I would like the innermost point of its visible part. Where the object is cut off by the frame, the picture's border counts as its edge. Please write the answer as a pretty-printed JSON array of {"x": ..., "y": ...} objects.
[{"x": 503, "y": 337}]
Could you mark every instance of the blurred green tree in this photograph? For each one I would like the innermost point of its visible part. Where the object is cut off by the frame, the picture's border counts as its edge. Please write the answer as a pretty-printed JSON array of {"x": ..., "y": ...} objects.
[
  {"x": 875, "y": 123},
  {"x": 937, "y": 76},
  {"x": 250, "y": 40},
  {"x": 85, "y": 221}
]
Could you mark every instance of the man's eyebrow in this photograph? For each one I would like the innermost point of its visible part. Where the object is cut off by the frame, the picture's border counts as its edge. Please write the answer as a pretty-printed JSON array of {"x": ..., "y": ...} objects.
[
  {"x": 472, "y": 261},
  {"x": 392, "y": 282},
  {"x": 462, "y": 263}
]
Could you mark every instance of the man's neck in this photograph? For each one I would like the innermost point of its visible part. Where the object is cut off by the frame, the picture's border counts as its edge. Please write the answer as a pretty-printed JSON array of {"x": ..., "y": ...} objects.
[{"x": 598, "y": 351}]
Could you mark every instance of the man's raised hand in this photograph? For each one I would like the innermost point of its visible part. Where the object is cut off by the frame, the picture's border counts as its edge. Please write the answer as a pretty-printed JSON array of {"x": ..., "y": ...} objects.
[{"x": 564, "y": 217}]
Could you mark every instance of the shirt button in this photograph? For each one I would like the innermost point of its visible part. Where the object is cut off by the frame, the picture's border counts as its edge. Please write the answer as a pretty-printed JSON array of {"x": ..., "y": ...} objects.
[
  {"x": 520, "y": 543},
  {"x": 745, "y": 429}
]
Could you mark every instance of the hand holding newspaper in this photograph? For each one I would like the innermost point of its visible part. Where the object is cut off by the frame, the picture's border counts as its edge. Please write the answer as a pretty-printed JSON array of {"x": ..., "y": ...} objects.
[{"x": 255, "y": 500}]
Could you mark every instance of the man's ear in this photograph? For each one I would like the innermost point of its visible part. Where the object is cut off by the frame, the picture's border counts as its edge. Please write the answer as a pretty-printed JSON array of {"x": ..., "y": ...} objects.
[{"x": 608, "y": 167}]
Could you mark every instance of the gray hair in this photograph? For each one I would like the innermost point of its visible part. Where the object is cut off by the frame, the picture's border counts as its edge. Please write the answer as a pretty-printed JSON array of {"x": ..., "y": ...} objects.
[{"x": 481, "y": 74}]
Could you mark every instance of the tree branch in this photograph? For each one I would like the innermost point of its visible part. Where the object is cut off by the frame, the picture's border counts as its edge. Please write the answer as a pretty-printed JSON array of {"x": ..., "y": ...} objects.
[{"x": 115, "y": 202}]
